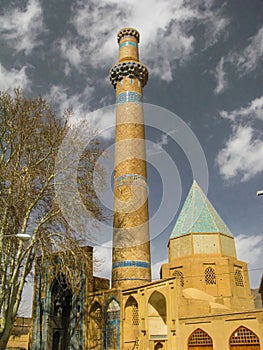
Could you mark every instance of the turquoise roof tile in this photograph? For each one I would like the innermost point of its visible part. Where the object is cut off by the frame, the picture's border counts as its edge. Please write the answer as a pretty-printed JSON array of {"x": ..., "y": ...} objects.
[{"x": 198, "y": 216}]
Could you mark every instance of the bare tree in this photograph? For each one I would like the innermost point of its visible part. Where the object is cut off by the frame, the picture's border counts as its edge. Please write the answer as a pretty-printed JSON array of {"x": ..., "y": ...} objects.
[{"x": 30, "y": 138}]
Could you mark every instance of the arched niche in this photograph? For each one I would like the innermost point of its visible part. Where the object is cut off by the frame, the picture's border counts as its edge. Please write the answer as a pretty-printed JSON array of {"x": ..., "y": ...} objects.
[
  {"x": 60, "y": 311},
  {"x": 112, "y": 324},
  {"x": 157, "y": 315},
  {"x": 131, "y": 322},
  {"x": 61, "y": 298},
  {"x": 95, "y": 326},
  {"x": 131, "y": 312}
]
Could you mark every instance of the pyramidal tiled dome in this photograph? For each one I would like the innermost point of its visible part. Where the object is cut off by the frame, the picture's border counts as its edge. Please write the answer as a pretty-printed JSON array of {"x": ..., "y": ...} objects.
[{"x": 198, "y": 216}]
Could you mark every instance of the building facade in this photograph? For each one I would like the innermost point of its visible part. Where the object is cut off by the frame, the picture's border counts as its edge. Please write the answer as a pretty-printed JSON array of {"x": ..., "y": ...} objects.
[{"x": 202, "y": 299}]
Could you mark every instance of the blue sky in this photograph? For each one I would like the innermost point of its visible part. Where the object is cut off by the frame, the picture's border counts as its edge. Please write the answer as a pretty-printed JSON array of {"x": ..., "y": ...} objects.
[{"x": 205, "y": 66}]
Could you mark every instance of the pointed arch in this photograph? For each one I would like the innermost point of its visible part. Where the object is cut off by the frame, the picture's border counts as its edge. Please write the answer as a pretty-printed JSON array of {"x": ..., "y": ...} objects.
[
  {"x": 131, "y": 322},
  {"x": 158, "y": 302},
  {"x": 131, "y": 311},
  {"x": 112, "y": 324},
  {"x": 60, "y": 296},
  {"x": 95, "y": 326},
  {"x": 157, "y": 319},
  {"x": 210, "y": 276},
  {"x": 96, "y": 313},
  {"x": 60, "y": 307},
  {"x": 243, "y": 336},
  {"x": 199, "y": 339}
]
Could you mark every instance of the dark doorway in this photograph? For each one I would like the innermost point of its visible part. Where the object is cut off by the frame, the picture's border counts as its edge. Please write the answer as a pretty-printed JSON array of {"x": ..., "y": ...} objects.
[{"x": 56, "y": 341}]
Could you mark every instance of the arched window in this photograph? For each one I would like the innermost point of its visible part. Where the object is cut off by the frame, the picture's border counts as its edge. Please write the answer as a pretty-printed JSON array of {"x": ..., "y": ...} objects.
[
  {"x": 243, "y": 336},
  {"x": 96, "y": 313},
  {"x": 95, "y": 327},
  {"x": 113, "y": 325},
  {"x": 61, "y": 310},
  {"x": 61, "y": 298},
  {"x": 131, "y": 311},
  {"x": 180, "y": 276},
  {"x": 239, "y": 277},
  {"x": 210, "y": 275},
  {"x": 200, "y": 338}
]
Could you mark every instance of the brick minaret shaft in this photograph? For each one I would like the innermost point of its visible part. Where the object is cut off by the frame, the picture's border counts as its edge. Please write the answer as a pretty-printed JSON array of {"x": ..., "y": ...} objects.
[{"x": 131, "y": 246}]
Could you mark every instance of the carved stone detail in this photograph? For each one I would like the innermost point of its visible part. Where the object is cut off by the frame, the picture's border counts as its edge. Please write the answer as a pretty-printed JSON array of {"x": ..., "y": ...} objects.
[
  {"x": 129, "y": 69},
  {"x": 128, "y": 32}
]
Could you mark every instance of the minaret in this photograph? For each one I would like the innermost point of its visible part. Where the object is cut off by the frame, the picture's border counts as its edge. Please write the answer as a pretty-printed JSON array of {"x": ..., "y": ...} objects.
[{"x": 131, "y": 246}]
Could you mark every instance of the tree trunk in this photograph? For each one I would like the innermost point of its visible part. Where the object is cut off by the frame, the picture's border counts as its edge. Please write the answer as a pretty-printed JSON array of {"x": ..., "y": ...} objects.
[{"x": 4, "y": 336}]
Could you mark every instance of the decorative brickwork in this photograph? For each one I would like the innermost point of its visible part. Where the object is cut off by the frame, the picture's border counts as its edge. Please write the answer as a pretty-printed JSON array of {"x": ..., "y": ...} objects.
[
  {"x": 128, "y": 32},
  {"x": 131, "y": 247},
  {"x": 131, "y": 69}
]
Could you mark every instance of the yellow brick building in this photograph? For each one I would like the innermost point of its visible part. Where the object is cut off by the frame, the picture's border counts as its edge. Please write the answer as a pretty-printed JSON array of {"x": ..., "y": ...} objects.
[{"x": 202, "y": 300}]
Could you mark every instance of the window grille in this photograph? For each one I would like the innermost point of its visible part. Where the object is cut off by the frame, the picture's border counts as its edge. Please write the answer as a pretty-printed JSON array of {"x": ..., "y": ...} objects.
[
  {"x": 135, "y": 315},
  {"x": 243, "y": 336},
  {"x": 199, "y": 337},
  {"x": 239, "y": 278},
  {"x": 210, "y": 276},
  {"x": 179, "y": 275},
  {"x": 133, "y": 305}
]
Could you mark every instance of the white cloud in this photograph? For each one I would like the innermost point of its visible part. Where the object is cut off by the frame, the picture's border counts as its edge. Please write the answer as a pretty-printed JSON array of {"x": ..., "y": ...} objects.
[
  {"x": 71, "y": 52},
  {"x": 9, "y": 79},
  {"x": 252, "y": 54},
  {"x": 78, "y": 102},
  {"x": 249, "y": 58},
  {"x": 253, "y": 110},
  {"x": 244, "y": 61},
  {"x": 241, "y": 158},
  {"x": 167, "y": 41},
  {"x": 21, "y": 27},
  {"x": 156, "y": 268},
  {"x": 216, "y": 27},
  {"x": 157, "y": 148},
  {"x": 103, "y": 258},
  {"x": 249, "y": 249},
  {"x": 220, "y": 77},
  {"x": 101, "y": 120}
]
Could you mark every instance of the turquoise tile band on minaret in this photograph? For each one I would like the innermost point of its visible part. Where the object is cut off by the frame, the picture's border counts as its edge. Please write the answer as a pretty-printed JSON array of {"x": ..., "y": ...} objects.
[
  {"x": 131, "y": 263},
  {"x": 126, "y": 43},
  {"x": 129, "y": 96}
]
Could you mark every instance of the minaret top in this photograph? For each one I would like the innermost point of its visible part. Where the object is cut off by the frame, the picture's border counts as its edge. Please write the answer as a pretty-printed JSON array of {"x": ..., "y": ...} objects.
[
  {"x": 128, "y": 65},
  {"x": 128, "y": 31}
]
